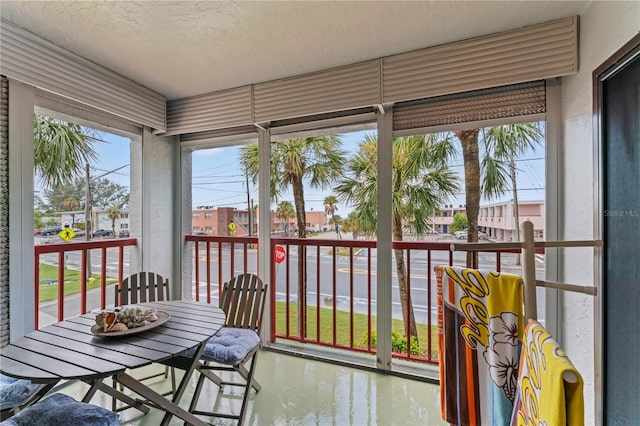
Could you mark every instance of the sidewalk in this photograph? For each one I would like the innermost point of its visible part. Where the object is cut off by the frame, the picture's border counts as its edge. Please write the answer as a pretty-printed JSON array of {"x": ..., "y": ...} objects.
[
  {"x": 331, "y": 235},
  {"x": 48, "y": 310}
]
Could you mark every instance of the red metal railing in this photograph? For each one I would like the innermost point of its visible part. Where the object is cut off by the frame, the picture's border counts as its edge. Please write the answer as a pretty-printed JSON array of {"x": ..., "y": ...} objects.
[
  {"x": 312, "y": 289},
  {"x": 83, "y": 248},
  {"x": 338, "y": 289},
  {"x": 221, "y": 256}
]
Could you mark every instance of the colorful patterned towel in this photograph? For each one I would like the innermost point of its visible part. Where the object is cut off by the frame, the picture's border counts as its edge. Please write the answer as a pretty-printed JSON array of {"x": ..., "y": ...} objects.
[
  {"x": 480, "y": 326},
  {"x": 549, "y": 386}
]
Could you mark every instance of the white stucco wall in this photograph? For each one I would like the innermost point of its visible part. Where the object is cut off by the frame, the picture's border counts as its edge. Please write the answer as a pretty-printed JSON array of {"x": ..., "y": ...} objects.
[
  {"x": 604, "y": 28},
  {"x": 158, "y": 200}
]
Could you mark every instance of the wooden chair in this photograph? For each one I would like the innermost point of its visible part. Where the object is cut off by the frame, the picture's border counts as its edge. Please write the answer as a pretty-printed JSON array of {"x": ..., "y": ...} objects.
[
  {"x": 140, "y": 288},
  {"x": 237, "y": 343}
]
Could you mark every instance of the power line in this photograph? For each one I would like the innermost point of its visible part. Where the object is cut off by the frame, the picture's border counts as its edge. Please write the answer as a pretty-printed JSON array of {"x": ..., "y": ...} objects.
[
  {"x": 217, "y": 190},
  {"x": 219, "y": 183}
]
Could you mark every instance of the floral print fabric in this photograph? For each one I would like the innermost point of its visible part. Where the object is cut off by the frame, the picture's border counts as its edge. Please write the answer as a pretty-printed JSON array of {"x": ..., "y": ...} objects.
[{"x": 480, "y": 328}]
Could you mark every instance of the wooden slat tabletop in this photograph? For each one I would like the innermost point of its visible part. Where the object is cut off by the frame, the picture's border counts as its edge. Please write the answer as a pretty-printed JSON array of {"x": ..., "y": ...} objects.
[{"x": 68, "y": 349}]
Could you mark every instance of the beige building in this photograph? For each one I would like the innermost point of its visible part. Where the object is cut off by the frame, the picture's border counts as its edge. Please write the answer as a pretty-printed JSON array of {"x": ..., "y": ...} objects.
[{"x": 497, "y": 220}]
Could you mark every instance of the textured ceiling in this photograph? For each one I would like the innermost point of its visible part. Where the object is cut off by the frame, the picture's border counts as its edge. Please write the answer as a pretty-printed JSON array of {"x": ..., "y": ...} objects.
[{"x": 186, "y": 48}]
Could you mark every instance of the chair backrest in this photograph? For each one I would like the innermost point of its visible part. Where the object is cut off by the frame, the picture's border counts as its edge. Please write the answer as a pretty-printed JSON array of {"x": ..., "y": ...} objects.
[
  {"x": 243, "y": 299},
  {"x": 142, "y": 287}
]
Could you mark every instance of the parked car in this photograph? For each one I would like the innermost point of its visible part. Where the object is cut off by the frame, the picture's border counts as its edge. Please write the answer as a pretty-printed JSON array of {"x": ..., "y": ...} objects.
[
  {"x": 101, "y": 233},
  {"x": 460, "y": 235},
  {"x": 123, "y": 234},
  {"x": 52, "y": 230}
]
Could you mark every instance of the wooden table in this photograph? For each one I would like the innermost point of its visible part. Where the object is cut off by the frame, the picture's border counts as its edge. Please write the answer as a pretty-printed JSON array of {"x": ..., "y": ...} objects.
[{"x": 68, "y": 350}]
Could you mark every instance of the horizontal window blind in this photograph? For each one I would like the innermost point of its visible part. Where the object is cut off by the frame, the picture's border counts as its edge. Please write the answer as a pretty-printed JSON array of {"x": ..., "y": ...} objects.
[
  {"x": 336, "y": 89},
  {"x": 476, "y": 106},
  {"x": 532, "y": 53},
  {"x": 501, "y": 61},
  {"x": 4, "y": 211},
  {"x": 211, "y": 111},
  {"x": 35, "y": 61}
]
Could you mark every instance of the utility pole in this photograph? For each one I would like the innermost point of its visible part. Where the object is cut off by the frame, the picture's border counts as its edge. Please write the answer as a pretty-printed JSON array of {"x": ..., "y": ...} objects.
[
  {"x": 516, "y": 213},
  {"x": 88, "y": 211},
  {"x": 87, "y": 206},
  {"x": 251, "y": 218},
  {"x": 246, "y": 175},
  {"x": 87, "y": 218}
]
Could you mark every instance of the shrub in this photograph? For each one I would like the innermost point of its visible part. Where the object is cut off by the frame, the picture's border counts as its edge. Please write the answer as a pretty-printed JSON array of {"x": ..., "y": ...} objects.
[{"x": 398, "y": 343}]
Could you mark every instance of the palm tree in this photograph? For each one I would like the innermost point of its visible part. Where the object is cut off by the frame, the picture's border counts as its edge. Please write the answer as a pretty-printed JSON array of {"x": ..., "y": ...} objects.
[
  {"x": 113, "y": 213},
  {"x": 331, "y": 206},
  {"x": 61, "y": 150},
  {"x": 71, "y": 204},
  {"x": 504, "y": 144},
  {"x": 349, "y": 225},
  {"x": 285, "y": 211},
  {"x": 316, "y": 161},
  {"x": 490, "y": 176},
  {"x": 421, "y": 182},
  {"x": 471, "y": 159}
]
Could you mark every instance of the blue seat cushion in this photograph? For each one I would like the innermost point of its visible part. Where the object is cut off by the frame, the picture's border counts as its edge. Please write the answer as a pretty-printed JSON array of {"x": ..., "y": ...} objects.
[
  {"x": 62, "y": 410},
  {"x": 230, "y": 345},
  {"x": 16, "y": 392}
]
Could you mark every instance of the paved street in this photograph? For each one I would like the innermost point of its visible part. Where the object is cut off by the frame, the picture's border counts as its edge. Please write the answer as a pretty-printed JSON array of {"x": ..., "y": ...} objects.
[{"x": 345, "y": 274}]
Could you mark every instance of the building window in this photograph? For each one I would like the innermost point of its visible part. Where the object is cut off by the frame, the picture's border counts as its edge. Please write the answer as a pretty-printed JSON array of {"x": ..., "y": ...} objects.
[
  {"x": 208, "y": 229},
  {"x": 208, "y": 215},
  {"x": 124, "y": 215},
  {"x": 196, "y": 215}
]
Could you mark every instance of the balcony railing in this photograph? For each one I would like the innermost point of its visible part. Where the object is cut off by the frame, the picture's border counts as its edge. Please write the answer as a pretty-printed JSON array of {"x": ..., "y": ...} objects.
[
  {"x": 216, "y": 251},
  {"x": 338, "y": 303},
  {"x": 80, "y": 255}
]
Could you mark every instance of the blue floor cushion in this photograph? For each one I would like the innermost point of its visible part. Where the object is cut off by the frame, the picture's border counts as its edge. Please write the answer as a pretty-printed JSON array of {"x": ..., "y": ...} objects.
[
  {"x": 16, "y": 392},
  {"x": 230, "y": 345},
  {"x": 62, "y": 410}
]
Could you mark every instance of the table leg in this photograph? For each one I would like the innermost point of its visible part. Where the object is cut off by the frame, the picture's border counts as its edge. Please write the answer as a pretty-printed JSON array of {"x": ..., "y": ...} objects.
[
  {"x": 170, "y": 407},
  {"x": 98, "y": 385},
  {"x": 185, "y": 380}
]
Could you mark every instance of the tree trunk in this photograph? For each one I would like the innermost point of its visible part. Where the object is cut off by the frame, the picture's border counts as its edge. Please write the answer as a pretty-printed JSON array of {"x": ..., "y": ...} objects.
[
  {"x": 298, "y": 199},
  {"x": 516, "y": 213},
  {"x": 471, "y": 157},
  {"x": 401, "y": 270}
]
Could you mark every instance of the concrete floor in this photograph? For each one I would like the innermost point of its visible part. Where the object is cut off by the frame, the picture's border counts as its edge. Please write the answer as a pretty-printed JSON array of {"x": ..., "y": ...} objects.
[{"x": 299, "y": 391}]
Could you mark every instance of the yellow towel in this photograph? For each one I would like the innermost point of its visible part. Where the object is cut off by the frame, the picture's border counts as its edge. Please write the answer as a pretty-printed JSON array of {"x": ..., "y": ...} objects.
[
  {"x": 549, "y": 386},
  {"x": 480, "y": 326}
]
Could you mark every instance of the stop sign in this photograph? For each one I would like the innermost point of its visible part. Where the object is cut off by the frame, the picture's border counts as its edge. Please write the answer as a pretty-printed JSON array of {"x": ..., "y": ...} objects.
[{"x": 279, "y": 254}]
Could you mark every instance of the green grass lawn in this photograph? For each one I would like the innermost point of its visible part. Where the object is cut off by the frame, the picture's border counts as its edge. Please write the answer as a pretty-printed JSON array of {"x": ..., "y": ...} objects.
[
  {"x": 344, "y": 251},
  {"x": 71, "y": 282},
  {"x": 343, "y": 328}
]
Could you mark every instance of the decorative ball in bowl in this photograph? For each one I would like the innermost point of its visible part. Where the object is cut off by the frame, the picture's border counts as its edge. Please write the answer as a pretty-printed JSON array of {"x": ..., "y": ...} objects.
[{"x": 125, "y": 318}]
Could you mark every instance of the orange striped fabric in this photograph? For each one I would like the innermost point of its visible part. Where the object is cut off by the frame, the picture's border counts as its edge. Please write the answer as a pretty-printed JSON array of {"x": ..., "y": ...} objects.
[{"x": 480, "y": 331}]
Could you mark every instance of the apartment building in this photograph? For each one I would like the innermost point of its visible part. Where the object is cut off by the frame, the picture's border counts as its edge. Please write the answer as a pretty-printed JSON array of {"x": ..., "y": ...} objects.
[{"x": 497, "y": 220}]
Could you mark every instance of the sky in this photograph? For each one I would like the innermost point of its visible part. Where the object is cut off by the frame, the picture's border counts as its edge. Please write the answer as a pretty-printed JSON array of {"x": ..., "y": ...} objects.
[{"x": 218, "y": 180}]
